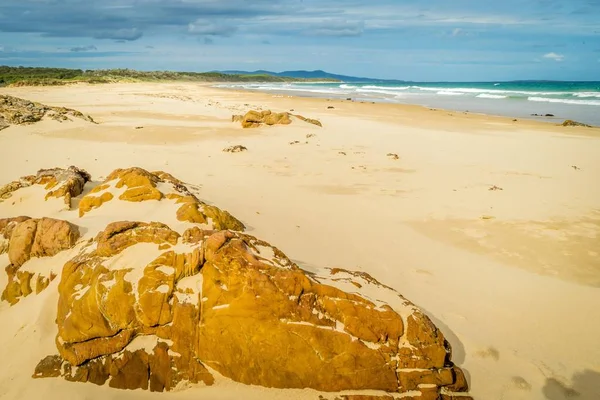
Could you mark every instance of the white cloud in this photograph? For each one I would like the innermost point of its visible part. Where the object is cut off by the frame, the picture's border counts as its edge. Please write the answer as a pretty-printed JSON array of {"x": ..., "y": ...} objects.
[
  {"x": 205, "y": 27},
  {"x": 337, "y": 28},
  {"x": 554, "y": 56}
]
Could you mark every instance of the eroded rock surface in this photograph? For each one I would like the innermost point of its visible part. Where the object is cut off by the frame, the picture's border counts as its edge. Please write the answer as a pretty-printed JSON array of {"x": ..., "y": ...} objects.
[
  {"x": 238, "y": 148},
  {"x": 231, "y": 302},
  {"x": 254, "y": 119},
  {"x": 309, "y": 120},
  {"x": 32, "y": 238},
  {"x": 142, "y": 305},
  {"x": 139, "y": 185},
  {"x": 16, "y": 111},
  {"x": 59, "y": 182},
  {"x": 570, "y": 122}
]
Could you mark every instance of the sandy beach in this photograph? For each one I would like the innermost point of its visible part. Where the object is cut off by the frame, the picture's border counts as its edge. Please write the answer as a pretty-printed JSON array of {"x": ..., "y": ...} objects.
[{"x": 488, "y": 224}]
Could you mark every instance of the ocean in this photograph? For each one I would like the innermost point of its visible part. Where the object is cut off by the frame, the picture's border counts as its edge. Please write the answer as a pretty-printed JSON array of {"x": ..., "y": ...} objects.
[{"x": 579, "y": 101}]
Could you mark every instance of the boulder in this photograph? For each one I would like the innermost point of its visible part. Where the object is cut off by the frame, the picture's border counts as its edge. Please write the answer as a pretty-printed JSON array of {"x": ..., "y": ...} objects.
[
  {"x": 44, "y": 237},
  {"x": 29, "y": 238},
  {"x": 7, "y": 225},
  {"x": 254, "y": 119}
]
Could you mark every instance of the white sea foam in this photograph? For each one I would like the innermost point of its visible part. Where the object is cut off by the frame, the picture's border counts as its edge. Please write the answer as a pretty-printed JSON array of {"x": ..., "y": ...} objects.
[
  {"x": 587, "y": 94},
  {"x": 566, "y": 101},
  {"x": 491, "y": 91},
  {"x": 398, "y": 91},
  {"x": 490, "y": 96},
  {"x": 395, "y": 88},
  {"x": 449, "y": 93},
  {"x": 378, "y": 91}
]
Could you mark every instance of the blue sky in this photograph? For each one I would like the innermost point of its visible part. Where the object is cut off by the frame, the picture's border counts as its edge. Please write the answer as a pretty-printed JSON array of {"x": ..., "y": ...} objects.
[{"x": 434, "y": 40}]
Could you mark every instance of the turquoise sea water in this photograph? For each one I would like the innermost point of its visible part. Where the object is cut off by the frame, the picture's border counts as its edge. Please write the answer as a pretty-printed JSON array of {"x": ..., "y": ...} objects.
[{"x": 564, "y": 100}]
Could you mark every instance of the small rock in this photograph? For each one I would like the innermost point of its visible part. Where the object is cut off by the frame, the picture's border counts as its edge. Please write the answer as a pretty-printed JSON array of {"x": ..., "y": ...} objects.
[
  {"x": 235, "y": 149},
  {"x": 549, "y": 115},
  {"x": 330, "y": 107},
  {"x": 393, "y": 156},
  {"x": 294, "y": 142},
  {"x": 494, "y": 188},
  {"x": 342, "y": 153},
  {"x": 575, "y": 167},
  {"x": 139, "y": 127},
  {"x": 309, "y": 135}
]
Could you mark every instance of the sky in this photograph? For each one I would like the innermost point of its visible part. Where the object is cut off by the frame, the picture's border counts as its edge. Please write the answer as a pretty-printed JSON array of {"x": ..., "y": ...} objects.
[{"x": 418, "y": 40}]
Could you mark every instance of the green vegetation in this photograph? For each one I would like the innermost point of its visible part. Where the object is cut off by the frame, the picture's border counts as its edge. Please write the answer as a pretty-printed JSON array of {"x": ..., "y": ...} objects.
[{"x": 33, "y": 76}]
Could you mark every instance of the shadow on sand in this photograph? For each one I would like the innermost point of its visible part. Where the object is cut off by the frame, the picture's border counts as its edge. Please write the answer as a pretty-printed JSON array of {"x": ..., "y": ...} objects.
[{"x": 584, "y": 386}]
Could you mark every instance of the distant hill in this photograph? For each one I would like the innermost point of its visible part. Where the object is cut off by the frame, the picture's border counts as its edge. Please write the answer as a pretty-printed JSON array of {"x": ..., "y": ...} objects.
[
  {"x": 318, "y": 74},
  {"x": 39, "y": 76}
]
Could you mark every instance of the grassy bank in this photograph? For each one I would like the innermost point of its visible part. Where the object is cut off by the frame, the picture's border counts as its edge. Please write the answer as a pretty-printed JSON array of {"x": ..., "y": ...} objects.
[{"x": 34, "y": 76}]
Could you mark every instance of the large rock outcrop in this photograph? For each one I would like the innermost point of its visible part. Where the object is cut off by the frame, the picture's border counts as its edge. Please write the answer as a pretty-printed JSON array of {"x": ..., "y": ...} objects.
[
  {"x": 145, "y": 306},
  {"x": 254, "y": 119},
  {"x": 16, "y": 111},
  {"x": 231, "y": 302}
]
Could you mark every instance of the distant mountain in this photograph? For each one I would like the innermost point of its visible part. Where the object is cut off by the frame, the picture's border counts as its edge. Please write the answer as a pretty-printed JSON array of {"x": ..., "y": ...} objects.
[{"x": 305, "y": 75}]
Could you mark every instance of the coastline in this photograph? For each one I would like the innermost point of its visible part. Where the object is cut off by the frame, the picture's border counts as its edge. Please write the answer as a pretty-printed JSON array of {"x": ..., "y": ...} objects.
[
  {"x": 488, "y": 225},
  {"x": 434, "y": 118},
  {"x": 452, "y": 101}
]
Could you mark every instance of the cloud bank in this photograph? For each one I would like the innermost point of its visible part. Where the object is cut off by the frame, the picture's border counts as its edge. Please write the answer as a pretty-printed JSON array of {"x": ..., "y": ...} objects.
[{"x": 411, "y": 39}]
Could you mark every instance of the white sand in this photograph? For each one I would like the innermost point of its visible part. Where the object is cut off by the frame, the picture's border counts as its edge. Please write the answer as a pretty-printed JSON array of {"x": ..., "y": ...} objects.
[{"x": 512, "y": 276}]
